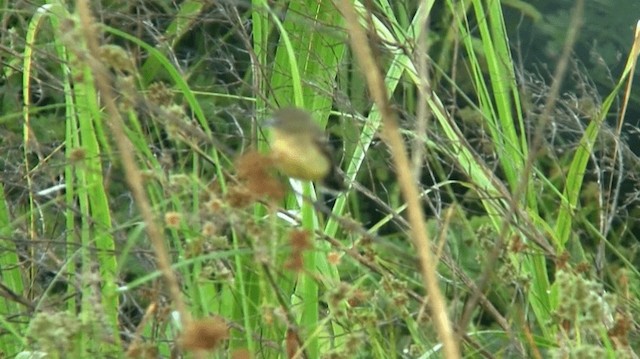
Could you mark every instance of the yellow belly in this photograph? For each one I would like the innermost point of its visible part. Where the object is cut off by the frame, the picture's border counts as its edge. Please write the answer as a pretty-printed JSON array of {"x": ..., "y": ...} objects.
[{"x": 299, "y": 158}]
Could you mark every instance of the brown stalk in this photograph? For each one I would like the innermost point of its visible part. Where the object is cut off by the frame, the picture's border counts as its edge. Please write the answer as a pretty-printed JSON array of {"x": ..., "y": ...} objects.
[
  {"x": 127, "y": 151},
  {"x": 391, "y": 134}
]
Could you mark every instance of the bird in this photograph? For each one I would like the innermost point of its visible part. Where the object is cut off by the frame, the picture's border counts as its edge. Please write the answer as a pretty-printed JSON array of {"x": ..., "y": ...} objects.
[{"x": 300, "y": 148}]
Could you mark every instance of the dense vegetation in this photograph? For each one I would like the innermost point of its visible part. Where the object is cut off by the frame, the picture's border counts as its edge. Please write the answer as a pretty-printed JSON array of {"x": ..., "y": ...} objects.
[{"x": 492, "y": 201}]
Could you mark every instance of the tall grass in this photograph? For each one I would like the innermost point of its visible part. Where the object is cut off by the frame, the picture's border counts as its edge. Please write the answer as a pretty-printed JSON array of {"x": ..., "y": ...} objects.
[{"x": 172, "y": 234}]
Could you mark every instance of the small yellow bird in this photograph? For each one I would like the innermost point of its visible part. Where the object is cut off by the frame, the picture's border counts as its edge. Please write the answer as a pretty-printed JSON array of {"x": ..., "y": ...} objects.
[{"x": 299, "y": 148}]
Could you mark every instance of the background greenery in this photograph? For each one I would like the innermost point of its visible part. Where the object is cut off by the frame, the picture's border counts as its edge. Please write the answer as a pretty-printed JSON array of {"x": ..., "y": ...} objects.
[{"x": 522, "y": 129}]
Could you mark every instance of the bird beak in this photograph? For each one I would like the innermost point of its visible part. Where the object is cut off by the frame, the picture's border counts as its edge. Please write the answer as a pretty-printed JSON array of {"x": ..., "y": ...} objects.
[{"x": 269, "y": 122}]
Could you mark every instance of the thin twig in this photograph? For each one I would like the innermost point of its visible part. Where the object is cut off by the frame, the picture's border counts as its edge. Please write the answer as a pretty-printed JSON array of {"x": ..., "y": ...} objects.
[
  {"x": 391, "y": 134},
  {"x": 126, "y": 150}
]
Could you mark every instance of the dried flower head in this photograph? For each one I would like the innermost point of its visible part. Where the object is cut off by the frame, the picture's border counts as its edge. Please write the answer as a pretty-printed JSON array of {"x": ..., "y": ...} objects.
[
  {"x": 204, "y": 334},
  {"x": 241, "y": 354},
  {"x": 172, "y": 219},
  {"x": 254, "y": 172}
]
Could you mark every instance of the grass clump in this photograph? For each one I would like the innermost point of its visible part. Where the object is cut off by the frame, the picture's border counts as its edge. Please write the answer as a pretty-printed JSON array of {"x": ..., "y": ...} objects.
[{"x": 490, "y": 211}]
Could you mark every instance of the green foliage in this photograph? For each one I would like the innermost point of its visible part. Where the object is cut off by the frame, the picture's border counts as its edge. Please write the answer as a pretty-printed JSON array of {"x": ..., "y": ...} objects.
[{"x": 530, "y": 222}]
